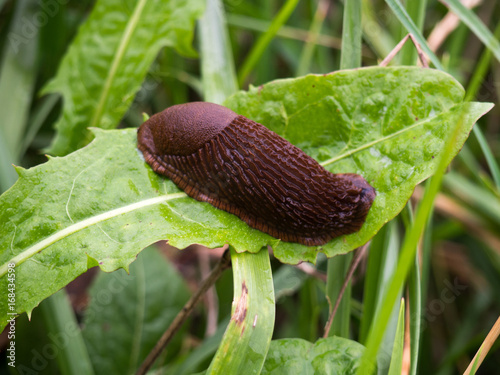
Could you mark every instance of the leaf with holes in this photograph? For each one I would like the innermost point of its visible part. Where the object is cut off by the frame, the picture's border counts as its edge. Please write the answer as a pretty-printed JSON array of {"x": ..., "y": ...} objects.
[{"x": 102, "y": 204}]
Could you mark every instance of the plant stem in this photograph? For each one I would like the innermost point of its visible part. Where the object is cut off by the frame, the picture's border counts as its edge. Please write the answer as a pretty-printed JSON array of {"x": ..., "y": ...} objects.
[
  {"x": 265, "y": 39},
  {"x": 355, "y": 262},
  {"x": 485, "y": 347},
  {"x": 224, "y": 263},
  {"x": 244, "y": 347},
  {"x": 312, "y": 39}
]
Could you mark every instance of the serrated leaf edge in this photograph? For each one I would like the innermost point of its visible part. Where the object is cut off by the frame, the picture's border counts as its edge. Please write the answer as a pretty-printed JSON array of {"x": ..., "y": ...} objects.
[{"x": 36, "y": 248}]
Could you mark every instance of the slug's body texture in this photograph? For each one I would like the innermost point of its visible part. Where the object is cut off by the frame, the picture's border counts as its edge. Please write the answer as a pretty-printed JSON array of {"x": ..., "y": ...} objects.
[{"x": 241, "y": 167}]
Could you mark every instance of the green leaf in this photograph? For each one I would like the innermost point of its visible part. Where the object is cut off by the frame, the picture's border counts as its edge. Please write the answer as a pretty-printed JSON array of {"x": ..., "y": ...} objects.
[
  {"x": 127, "y": 314},
  {"x": 31, "y": 339},
  {"x": 333, "y": 355},
  {"x": 100, "y": 206},
  {"x": 103, "y": 204},
  {"x": 109, "y": 59},
  {"x": 386, "y": 124}
]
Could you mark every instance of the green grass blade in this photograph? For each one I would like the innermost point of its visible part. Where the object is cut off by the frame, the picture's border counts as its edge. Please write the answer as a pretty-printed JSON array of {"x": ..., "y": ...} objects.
[
  {"x": 416, "y": 10},
  {"x": 266, "y": 70},
  {"x": 475, "y": 83},
  {"x": 480, "y": 198},
  {"x": 399, "y": 339},
  {"x": 287, "y": 32},
  {"x": 351, "y": 35},
  {"x": 265, "y": 39},
  {"x": 378, "y": 38},
  {"x": 414, "y": 300},
  {"x": 337, "y": 271},
  {"x": 72, "y": 356},
  {"x": 217, "y": 67},
  {"x": 381, "y": 263},
  {"x": 408, "y": 252},
  {"x": 393, "y": 244},
  {"x": 18, "y": 74},
  {"x": 314, "y": 31},
  {"x": 475, "y": 364},
  {"x": 415, "y": 292},
  {"x": 8, "y": 175},
  {"x": 410, "y": 26},
  {"x": 488, "y": 154},
  {"x": 468, "y": 17},
  {"x": 17, "y": 80}
]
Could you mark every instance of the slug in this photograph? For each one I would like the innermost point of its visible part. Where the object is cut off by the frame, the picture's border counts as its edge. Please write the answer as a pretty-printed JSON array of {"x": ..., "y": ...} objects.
[{"x": 241, "y": 167}]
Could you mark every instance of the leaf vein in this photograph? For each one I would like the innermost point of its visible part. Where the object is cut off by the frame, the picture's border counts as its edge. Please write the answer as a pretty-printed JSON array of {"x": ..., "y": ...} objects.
[
  {"x": 127, "y": 36},
  {"x": 36, "y": 248},
  {"x": 373, "y": 143}
]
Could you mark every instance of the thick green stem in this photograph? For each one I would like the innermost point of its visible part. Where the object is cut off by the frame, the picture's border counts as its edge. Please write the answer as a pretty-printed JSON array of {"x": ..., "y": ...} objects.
[{"x": 244, "y": 346}]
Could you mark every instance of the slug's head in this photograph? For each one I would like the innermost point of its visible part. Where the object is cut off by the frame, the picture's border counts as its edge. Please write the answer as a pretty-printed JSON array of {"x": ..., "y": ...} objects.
[
  {"x": 367, "y": 191},
  {"x": 361, "y": 195},
  {"x": 182, "y": 129}
]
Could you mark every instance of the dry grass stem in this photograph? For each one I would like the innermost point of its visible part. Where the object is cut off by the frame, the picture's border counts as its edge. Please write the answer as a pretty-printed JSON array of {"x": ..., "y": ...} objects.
[
  {"x": 446, "y": 26},
  {"x": 485, "y": 347}
]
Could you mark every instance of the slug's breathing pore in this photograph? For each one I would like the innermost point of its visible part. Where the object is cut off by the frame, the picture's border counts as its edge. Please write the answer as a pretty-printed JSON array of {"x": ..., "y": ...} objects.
[{"x": 241, "y": 167}]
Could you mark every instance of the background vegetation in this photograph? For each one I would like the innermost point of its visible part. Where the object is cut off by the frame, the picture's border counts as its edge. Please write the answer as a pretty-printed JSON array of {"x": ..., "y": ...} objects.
[{"x": 458, "y": 256}]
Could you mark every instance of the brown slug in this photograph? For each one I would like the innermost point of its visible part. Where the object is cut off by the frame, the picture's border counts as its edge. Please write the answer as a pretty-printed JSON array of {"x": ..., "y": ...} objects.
[{"x": 241, "y": 167}]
